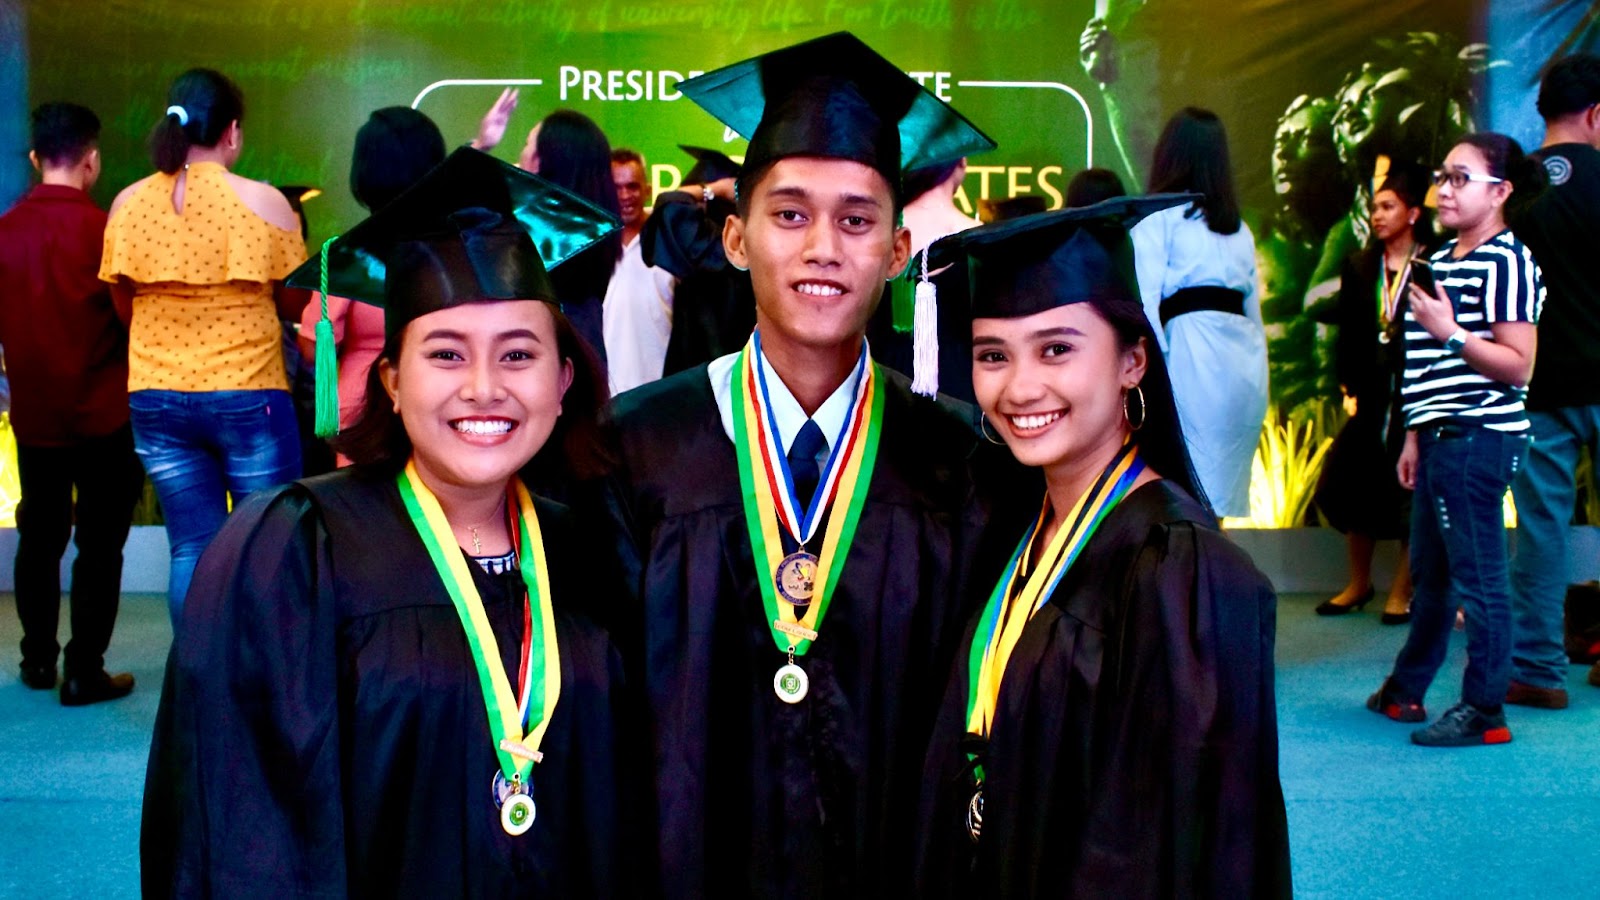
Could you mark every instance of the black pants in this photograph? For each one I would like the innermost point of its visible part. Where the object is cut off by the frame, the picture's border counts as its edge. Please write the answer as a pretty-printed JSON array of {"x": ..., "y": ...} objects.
[{"x": 106, "y": 472}]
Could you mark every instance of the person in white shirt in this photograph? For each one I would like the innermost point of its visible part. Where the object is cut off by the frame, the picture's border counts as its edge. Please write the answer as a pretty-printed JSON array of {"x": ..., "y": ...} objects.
[{"x": 638, "y": 303}]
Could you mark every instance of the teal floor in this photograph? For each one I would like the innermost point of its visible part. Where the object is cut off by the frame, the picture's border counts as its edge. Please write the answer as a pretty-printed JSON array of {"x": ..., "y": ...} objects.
[{"x": 1370, "y": 815}]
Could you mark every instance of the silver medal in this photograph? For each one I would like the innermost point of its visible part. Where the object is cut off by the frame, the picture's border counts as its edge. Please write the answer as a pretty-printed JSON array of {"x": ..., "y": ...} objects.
[
  {"x": 975, "y": 815},
  {"x": 791, "y": 683},
  {"x": 517, "y": 815}
]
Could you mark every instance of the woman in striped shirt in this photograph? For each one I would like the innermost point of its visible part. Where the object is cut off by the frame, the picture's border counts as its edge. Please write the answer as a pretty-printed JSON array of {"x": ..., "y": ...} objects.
[{"x": 1469, "y": 354}]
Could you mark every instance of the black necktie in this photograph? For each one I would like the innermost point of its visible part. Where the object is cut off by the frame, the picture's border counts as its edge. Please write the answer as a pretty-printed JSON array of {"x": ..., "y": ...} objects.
[{"x": 803, "y": 462}]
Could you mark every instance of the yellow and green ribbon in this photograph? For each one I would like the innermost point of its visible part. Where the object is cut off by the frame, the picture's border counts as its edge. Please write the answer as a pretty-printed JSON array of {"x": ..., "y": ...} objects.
[{"x": 522, "y": 720}]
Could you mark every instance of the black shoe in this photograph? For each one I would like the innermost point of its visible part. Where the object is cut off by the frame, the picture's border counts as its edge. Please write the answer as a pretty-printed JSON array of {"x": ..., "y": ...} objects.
[
  {"x": 1388, "y": 702},
  {"x": 1464, "y": 725},
  {"x": 1330, "y": 608},
  {"x": 1390, "y": 618},
  {"x": 95, "y": 687},
  {"x": 39, "y": 677}
]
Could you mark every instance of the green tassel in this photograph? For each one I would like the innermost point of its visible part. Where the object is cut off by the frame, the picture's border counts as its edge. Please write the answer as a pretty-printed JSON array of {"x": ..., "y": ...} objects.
[{"x": 327, "y": 363}]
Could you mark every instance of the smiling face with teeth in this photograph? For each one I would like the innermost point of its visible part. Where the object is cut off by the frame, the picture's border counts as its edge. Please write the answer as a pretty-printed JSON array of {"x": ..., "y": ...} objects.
[
  {"x": 478, "y": 388},
  {"x": 1052, "y": 386},
  {"x": 819, "y": 239}
]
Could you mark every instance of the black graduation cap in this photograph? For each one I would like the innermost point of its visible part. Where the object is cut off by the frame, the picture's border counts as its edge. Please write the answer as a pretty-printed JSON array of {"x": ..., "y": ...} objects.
[
  {"x": 474, "y": 229},
  {"x": 709, "y": 165},
  {"x": 1019, "y": 267},
  {"x": 836, "y": 98}
]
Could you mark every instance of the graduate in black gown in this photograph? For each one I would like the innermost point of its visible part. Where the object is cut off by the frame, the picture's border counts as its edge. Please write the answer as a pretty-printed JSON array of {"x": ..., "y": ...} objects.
[
  {"x": 712, "y": 307},
  {"x": 1110, "y": 728},
  {"x": 387, "y": 683},
  {"x": 790, "y": 685}
]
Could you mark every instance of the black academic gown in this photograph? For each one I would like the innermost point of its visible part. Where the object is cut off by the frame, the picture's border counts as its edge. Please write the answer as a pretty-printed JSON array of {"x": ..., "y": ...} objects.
[
  {"x": 1134, "y": 752},
  {"x": 713, "y": 305},
  {"x": 322, "y": 732},
  {"x": 755, "y": 798}
]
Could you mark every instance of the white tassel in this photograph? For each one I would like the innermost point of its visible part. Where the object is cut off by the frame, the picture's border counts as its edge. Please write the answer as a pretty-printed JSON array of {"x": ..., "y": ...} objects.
[{"x": 925, "y": 336}]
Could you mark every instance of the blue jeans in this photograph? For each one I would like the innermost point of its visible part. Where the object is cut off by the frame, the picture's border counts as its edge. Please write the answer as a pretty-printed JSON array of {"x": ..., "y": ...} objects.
[
  {"x": 199, "y": 447},
  {"x": 1458, "y": 559},
  {"x": 1540, "y": 572}
]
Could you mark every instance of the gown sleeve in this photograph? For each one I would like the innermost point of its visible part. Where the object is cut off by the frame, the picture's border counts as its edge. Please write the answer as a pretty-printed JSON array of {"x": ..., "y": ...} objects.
[
  {"x": 681, "y": 238},
  {"x": 243, "y": 794},
  {"x": 1192, "y": 805}
]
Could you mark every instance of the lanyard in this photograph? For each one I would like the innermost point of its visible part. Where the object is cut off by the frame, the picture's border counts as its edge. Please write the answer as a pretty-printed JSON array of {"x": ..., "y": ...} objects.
[
  {"x": 767, "y": 488},
  {"x": 1010, "y": 605},
  {"x": 517, "y": 721}
]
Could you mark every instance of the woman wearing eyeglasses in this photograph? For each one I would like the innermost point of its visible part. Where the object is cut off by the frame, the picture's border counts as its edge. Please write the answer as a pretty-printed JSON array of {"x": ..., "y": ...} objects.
[{"x": 1470, "y": 344}]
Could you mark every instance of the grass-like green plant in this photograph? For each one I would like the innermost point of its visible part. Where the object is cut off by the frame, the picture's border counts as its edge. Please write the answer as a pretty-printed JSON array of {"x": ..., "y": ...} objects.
[{"x": 1285, "y": 469}]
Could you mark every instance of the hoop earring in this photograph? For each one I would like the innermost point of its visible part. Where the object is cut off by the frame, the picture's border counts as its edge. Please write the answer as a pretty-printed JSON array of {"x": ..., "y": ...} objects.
[
  {"x": 983, "y": 429},
  {"x": 1127, "y": 414}
]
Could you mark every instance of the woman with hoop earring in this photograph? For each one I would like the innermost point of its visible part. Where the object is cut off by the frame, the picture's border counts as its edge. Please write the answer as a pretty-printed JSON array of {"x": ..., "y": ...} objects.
[{"x": 1109, "y": 728}]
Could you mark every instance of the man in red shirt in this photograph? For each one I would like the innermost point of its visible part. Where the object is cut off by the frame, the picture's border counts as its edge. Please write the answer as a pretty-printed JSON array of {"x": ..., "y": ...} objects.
[{"x": 66, "y": 353}]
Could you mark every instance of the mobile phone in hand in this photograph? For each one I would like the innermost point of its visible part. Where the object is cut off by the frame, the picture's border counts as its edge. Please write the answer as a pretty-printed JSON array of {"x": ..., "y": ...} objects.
[{"x": 1422, "y": 275}]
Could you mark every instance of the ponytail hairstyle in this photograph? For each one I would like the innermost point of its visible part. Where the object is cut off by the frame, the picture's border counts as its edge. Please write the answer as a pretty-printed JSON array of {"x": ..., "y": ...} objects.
[
  {"x": 201, "y": 105},
  {"x": 1504, "y": 158}
]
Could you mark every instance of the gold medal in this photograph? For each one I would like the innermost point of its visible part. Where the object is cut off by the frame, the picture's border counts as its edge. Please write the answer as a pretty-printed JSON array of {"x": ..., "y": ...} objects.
[
  {"x": 796, "y": 578},
  {"x": 791, "y": 683}
]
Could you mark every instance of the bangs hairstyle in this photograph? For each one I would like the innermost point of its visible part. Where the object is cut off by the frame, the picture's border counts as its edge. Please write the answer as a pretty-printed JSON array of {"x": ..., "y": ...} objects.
[
  {"x": 1160, "y": 438},
  {"x": 749, "y": 179},
  {"x": 211, "y": 100},
  {"x": 63, "y": 133},
  {"x": 394, "y": 149},
  {"x": 1192, "y": 155},
  {"x": 378, "y": 445}
]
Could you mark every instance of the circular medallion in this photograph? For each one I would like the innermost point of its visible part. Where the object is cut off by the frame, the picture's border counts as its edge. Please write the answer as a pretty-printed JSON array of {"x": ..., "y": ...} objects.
[
  {"x": 517, "y": 815},
  {"x": 791, "y": 684},
  {"x": 501, "y": 788},
  {"x": 797, "y": 576},
  {"x": 975, "y": 815},
  {"x": 1383, "y": 337}
]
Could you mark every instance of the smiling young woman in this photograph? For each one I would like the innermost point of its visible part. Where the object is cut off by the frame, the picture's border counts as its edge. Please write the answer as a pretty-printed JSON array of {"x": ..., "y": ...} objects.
[
  {"x": 392, "y": 684},
  {"x": 1113, "y": 699}
]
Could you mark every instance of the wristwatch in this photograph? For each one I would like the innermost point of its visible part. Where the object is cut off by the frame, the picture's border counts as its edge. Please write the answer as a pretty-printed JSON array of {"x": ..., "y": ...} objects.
[{"x": 1456, "y": 341}]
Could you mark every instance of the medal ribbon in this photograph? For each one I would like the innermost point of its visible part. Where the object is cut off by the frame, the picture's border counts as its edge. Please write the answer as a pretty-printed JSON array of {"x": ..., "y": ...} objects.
[
  {"x": 768, "y": 488},
  {"x": 1389, "y": 293},
  {"x": 1010, "y": 606},
  {"x": 539, "y": 672}
]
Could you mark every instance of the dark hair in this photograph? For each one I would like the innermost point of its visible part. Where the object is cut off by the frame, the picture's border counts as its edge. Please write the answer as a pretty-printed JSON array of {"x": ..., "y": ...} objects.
[
  {"x": 211, "y": 101},
  {"x": 1093, "y": 185},
  {"x": 749, "y": 179},
  {"x": 1410, "y": 182},
  {"x": 377, "y": 442},
  {"x": 64, "y": 132},
  {"x": 574, "y": 154},
  {"x": 1192, "y": 155},
  {"x": 620, "y": 156},
  {"x": 1570, "y": 85},
  {"x": 394, "y": 149},
  {"x": 1160, "y": 436},
  {"x": 920, "y": 181},
  {"x": 1504, "y": 158}
]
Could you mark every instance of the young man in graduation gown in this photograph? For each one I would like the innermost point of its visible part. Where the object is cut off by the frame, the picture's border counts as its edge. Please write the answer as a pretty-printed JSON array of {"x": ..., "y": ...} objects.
[{"x": 792, "y": 521}]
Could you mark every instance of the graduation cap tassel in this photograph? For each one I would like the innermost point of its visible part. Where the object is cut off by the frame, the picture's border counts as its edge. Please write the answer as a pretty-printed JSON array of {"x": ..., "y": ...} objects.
[
  {"x": 327, "y": 363},
  {"x": 925, "y": 336}
]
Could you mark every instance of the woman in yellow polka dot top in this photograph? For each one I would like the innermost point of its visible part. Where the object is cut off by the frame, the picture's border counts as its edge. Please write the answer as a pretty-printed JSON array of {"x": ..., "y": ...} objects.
[{"x": 196, "y": 256}]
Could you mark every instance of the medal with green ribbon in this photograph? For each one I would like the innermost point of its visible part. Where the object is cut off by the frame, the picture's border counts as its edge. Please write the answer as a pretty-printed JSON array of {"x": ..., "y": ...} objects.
[
  {"x": 517, "y": 721},
  {"x": 1011, "y": 604},
  {"x": 796, "y": 588}
]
